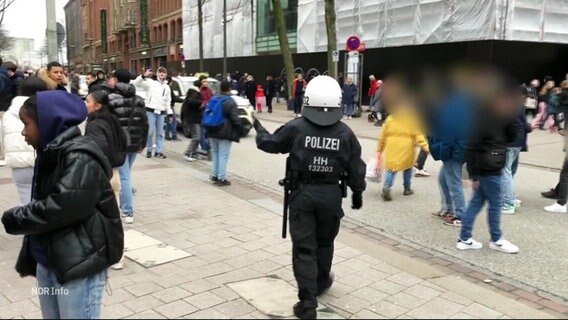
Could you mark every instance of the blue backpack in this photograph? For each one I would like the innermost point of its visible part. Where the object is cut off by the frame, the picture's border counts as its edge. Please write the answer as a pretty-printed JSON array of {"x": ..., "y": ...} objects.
[{"x": 213, "y": 114}]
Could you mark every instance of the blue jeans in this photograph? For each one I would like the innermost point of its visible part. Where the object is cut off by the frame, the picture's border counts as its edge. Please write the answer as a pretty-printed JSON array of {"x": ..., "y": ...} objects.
[
  {"x": 508, "y": 174},
  {"x": 390, "y": 175},
  {"x": 203, "y": 142},
  {"x": 155, "y": 129},
  {"x": 76, "y": 299},
  {"x": 220, "y": 150},
  {"x": 348, "y": 109},
  {"x": 124, "y": 172},
  {"x": 171, "y": 128},
  {"x": 489, "y": 190},
  {"x": 451, "y": 188}
]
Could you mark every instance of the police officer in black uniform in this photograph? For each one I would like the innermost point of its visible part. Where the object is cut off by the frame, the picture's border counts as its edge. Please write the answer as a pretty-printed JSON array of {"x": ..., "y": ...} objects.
[{"x": 323, "y": 150}]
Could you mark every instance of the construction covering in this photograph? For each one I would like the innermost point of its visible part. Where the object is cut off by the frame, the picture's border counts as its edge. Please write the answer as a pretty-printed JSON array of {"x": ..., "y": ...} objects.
[
  {"x": 240, "y": 28},
  {"x": 380, "y": 23},
  {"x": 390, "y": 23}
]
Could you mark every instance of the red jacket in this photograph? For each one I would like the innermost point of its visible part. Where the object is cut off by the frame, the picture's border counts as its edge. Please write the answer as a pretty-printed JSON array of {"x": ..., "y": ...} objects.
[
  {"x": 259, "y": 91},
  {"x": 373, "y": 88},
  {"x": 294, "y": 86}
]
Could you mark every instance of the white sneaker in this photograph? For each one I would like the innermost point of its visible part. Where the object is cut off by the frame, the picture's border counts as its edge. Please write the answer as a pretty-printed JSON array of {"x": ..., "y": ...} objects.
[
  {"x": 422, "y": 173},
  {"x": 470, "y": 244},
  {"x": 127, "y": 219},
  {"x": 508, "y": 209},
  {"x": 118, "y": 266},
  {"x": 190, "y": 159},
  {"x": 556, "y": 208},
  {"x": 504, "y": 246},
  {"x": 518, "y": 203},
  {"x": 2, "y": 163}
]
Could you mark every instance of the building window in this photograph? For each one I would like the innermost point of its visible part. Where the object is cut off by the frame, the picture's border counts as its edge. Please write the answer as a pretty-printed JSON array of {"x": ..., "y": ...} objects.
[
  {"x": 267, "y": 37},
  {"x": 166, "y": 34},
  {"x": 179, "y": 29},
  {"x": 173, "y": 30},
  {"x": 265, "y": 16}
]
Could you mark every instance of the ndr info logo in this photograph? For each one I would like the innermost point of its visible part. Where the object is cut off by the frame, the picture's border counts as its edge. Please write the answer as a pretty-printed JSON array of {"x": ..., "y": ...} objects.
[{"x": 50, "y": 291}]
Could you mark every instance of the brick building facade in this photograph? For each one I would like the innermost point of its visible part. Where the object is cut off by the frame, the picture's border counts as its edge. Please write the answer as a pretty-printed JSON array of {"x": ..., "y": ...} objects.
[{"x": 131, "y": 34}]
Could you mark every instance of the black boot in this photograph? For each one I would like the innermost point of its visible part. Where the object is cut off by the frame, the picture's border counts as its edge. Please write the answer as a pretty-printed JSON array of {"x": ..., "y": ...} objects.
[{"x": 306, "y": 309}]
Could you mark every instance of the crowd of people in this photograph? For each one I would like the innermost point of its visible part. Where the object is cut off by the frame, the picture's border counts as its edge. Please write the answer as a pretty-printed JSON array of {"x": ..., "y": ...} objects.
[
  {"x": 67, "y": 152},
  {"x": 466, "y": 121}
]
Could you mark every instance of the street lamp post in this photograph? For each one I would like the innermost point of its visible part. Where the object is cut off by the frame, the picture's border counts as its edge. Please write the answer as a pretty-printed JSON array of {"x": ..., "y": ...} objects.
[{"x": 224, "y": 38}]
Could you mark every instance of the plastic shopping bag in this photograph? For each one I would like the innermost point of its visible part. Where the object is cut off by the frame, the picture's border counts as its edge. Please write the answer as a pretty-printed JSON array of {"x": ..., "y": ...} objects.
[{"x": 372, "y": 173}]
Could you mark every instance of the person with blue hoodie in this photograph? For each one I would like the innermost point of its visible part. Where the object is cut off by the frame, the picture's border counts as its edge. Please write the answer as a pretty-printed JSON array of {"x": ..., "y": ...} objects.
[
  {"x": 72, "y": 229},
  {"x": 447, "y": 140}
]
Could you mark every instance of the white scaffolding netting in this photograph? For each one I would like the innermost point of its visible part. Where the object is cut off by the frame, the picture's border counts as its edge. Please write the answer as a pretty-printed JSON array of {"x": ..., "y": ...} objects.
[
  {"x": 240, "y": 41},
  {"x": 390, "y": 23},
  {"x": 381, "y": 23}
]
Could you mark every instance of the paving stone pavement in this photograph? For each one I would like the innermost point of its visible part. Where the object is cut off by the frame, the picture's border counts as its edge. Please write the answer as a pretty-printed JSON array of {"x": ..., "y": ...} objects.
[{"x": 232, "y": 238}]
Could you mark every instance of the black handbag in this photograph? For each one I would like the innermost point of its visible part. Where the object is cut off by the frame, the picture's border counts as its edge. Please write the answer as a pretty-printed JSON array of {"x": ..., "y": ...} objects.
[{"x": 493, "y": 160}]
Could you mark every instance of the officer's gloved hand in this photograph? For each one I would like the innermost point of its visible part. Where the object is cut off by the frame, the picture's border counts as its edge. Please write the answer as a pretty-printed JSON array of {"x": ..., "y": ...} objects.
[{"x": 357, "y": 200}]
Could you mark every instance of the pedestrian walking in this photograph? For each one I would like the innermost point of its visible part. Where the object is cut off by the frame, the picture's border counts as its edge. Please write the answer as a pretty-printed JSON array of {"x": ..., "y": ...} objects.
[
  {"x": 157, "y": 108},
  {"x": 270, "y": 91},
  {"x": 510, "y": 201},
  {"x": 531, "y": 101},
  {"x": 398, "y": 139},
  {"x": 322, "y": 149},
  {"x": 222, "y": 134},
  {"x": 250, "y": 90},
  {"x": 298, "y": 88},
  {"x": 20, "y": 156},
  {"x": 191, "y": 111},
  {"x": 349, "y": 91},
  {"x": 66, "y": 249},
  {"x": 486, "y": 156},
  {"x": 206, "y": 95},
  {"x": 373, "y": 86},
  {"x": 130, "y": 110},
  {"x": 260, "y": 99},
  {"x": 171, "y": 120}
]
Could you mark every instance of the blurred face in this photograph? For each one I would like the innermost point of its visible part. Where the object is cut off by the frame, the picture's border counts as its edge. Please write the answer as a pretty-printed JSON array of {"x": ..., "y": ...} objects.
[
  {"x": 204, "y": 83},
  {"x": 92, "y": 105},
  {"x": 56, "y": 74},
  {"x": 30, "y": 131},
  {"x": 349, "y": 80},
  {"x": 111, "y": 82},
  {"x": 162, "y": 75},
  {"x": 300, "y": 77},
  {"x": 90, "y": 79}
]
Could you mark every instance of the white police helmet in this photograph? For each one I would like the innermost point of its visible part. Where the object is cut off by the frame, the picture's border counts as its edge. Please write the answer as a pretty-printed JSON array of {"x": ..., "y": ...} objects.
[{"x": 322, "y": 101}]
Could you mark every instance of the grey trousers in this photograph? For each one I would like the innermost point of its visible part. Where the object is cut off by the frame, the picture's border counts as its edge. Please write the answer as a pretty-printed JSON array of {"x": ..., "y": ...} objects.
[{"x": 195, "y": 131}]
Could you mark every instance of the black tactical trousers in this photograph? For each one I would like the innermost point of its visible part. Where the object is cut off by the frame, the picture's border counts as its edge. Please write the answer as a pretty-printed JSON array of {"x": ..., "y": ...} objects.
[{"x": 315, "y": 213}]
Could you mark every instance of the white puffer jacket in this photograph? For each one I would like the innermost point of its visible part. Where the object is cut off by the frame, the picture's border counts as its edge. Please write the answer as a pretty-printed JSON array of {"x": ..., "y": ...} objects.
[{"x": 18, "y": 154}]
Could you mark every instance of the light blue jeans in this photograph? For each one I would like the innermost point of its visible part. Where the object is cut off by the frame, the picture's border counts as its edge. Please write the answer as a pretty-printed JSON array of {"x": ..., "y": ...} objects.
[
  {"x": 155, "y": 129},
  {"x": 489, "y": 190},
  {"x": 220, "y": 150},
  {"x": 451, "y": 188},
  {"x": 390, "y": 175},
  {"x": 125, "y": 171},
  {"x": 348, "y": 109},
  {"x": 508, "y": 175},
  {"x": 76, "y": 299}
]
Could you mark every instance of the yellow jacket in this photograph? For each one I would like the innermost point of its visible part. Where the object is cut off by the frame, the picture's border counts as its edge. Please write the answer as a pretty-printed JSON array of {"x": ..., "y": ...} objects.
[{"x": 400, "y": 135}]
